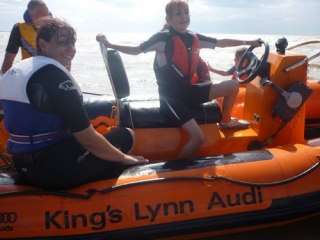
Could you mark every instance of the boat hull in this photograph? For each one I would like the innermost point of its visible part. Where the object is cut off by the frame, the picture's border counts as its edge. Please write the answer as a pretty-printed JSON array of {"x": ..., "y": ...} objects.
[{"x": 212, "y": 195}]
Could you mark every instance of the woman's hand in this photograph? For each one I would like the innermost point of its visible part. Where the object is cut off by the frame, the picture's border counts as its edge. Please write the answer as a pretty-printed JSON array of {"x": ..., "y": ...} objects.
[
  {"x": 102, "y": 38},
  {"x": 131, "y": 160},
  {"x": 256, "y": 43},
  {"x": 132, "y": 50}
]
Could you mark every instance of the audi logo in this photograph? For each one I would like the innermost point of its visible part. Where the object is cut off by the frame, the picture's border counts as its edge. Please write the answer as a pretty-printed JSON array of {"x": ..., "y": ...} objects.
[{"x": 8, "y": 217}]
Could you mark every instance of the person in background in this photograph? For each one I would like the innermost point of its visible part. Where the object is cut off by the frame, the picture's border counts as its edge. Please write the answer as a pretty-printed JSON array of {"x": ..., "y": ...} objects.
[
  {"x": 55, "y": 146},
  {"x": 23, "y": 34},
  {"x": 177, "y": 56},
  {"x": 233, "y": 70},
  {"x": 202, "y": 74}
]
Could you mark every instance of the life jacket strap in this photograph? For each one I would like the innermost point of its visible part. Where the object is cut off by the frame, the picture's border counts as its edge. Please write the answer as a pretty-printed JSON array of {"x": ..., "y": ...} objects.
[{"x": 31, "y": 139}]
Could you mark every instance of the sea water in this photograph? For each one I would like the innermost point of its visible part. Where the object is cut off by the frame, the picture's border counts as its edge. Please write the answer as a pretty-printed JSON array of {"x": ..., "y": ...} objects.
[{"x": 89, "y": 71}]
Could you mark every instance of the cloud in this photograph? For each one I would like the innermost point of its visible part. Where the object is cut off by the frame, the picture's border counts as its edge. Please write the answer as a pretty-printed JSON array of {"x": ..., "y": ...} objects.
[
  {"x": 113, "y": 16},
  {"x": 207, "y": 16},
  {"x": 263, "y": 17}
]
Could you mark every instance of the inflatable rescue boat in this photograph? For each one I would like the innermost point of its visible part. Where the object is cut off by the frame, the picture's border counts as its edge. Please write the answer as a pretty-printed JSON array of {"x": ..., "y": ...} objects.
[{"x": 239, "y": 180}]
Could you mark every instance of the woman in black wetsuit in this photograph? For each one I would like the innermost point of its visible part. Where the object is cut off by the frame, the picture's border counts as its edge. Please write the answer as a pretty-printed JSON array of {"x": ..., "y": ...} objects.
[{"x": 52, "y": 141}]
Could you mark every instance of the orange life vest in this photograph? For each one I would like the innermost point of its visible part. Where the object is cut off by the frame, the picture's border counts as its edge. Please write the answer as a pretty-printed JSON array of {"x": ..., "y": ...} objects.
[
  {"x": 185, "y": 60},
  {"x": 201, "y": 74}
]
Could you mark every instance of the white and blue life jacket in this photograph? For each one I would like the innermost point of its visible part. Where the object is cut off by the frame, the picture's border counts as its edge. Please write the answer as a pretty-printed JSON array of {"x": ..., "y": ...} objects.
[{"x": 29, "y": 129}]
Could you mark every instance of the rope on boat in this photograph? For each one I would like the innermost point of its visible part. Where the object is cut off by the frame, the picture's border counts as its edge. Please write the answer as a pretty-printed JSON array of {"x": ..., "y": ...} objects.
[
  {"x": 271, "y": 184},
  {"x": 91, "y": 192},
  {"x": 303, "y": 43}
]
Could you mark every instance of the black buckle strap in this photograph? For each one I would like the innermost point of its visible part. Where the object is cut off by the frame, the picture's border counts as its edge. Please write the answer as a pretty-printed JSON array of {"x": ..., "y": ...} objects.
[
  {"x": 23, "y": 157},
  {"x": 30, "y": 158}
]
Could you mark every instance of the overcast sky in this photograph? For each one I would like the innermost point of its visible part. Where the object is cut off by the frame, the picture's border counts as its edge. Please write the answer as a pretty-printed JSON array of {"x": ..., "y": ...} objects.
[{"x": 270, "y": 17}]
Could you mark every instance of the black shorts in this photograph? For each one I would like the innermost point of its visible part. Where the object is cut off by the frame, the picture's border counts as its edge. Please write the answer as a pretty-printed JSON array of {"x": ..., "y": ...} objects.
[
  {"x": 68, "y": 164},
  {"x": 176, "y": 106}
]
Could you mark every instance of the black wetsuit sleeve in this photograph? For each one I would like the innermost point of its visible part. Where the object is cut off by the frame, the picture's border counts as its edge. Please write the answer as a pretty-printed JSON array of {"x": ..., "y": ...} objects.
[
  {"x": 207, "y": 42},
  {"x": 50, "y": 90},
  {"x": 14, "y": 40},
  {"x": 155, "y": 43}
]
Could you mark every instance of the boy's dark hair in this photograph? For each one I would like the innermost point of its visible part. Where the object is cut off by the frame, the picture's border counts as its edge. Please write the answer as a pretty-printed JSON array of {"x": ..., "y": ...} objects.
[
  {"x": 35, "y": 3},
  {"x": 240, "y": 52}
]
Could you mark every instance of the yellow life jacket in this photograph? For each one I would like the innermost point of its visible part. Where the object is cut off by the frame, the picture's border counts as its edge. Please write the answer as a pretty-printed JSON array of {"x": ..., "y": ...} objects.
[{"x": 28, "y": 40}]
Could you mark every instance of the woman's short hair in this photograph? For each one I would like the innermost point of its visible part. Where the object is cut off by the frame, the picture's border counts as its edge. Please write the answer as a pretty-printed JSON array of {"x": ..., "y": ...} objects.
[{"x": 50, "y": 27}]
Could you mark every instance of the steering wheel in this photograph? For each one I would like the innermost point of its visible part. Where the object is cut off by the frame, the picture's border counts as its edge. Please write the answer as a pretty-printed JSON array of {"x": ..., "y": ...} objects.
[{"x": 251, "y": 69}]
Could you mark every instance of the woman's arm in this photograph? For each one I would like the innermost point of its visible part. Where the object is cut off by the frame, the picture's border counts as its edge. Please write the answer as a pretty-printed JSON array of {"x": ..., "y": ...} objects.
[
  {"x": 233, "y": 42},
  {"x": 125, "y": 49},
  {"x": 101, "y": 148}
]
